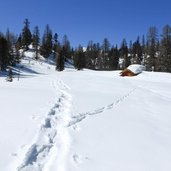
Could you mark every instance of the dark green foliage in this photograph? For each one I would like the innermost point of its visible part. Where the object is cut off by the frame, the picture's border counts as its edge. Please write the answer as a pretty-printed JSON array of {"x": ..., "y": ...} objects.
[
  {"x": 137, "y": 52},
  {"x": 164, "y": 59},
  {"x": 18, "y": 45},
  {"x": 143, "y": 45},
  {"x": 46, "y": 47},
  {"x": 93, "y": 56},
  {"x": 26, "y": 35},
  {"x": 66, "y": 47},
  {"x": 114, "y": 58},
  {"x": 60, "y": 61},
  {"x": 55, "y": 41},
  {"x": 36, "y": 40},
  {"x": 124, "y": 54},
  {"x": 152, "y": 39},
  {"x": 11, "y": 39},
  {"x": 19, "y": 42},
  {"x": 105, "y": 54},
  {"x": 105, "y": 46},
  {"x": 79, "y": 58},
  {"x": 4, "y": 53}
]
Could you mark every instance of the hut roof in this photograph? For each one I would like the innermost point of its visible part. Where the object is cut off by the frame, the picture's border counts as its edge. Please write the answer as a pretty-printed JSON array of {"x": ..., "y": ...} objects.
[
  {"x": 136, "y": 68},
  {"x": 132, "y": 70}
]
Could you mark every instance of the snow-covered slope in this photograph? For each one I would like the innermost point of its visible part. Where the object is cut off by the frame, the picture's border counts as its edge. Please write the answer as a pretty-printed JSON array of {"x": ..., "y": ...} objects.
[{"x": 84, "y": 120}]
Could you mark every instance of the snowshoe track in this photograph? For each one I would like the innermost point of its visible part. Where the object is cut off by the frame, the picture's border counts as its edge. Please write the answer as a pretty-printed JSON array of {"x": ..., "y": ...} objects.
[
  {"x": 78, "y": 118},
  {"x": 57, "y": 119}
]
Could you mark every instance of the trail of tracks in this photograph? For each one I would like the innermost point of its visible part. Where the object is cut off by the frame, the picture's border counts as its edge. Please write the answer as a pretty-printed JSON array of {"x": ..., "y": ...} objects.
[
  {"x": 53, "y": 137},
  {"x": 52, "y": 132},
  {"x": 82, "y": 116}
]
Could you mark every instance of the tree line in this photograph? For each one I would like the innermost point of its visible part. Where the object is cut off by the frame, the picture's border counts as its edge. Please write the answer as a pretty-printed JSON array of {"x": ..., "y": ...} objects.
[{"x": 151, "y": 50}]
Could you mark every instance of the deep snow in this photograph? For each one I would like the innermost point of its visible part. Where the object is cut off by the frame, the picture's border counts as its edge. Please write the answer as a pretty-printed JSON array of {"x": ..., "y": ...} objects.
[{"x": 84, "y": 120}]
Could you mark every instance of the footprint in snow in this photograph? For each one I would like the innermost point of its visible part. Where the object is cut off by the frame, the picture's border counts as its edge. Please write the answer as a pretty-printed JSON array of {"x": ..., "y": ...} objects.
[
  {"x": 14, "y": 154},
  {"x": 78, "y": 159},
  {"x": 76, "y": 128}
]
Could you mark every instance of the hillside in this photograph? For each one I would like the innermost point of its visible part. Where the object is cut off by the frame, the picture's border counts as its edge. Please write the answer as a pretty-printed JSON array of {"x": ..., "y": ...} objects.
[{"x": 84, "y": 120}]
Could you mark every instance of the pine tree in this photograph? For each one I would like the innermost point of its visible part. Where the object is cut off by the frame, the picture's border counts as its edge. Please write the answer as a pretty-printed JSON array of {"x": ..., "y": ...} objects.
[
  {"x": 18, "y": 45},
  {"x": 164, "y": 59},
  {"x": 97, "y": 53},
  {"x": 143, "y": 47},
  {"x": 130, "y": 51},
  {"x": 60, "y": 61},
  {"x": 93, "y": 56},
  {"x": 124, "y": 54},
  {"x": 66, "y": 47},
  {"x": 143, "y": 44},
  {"x": 26, "y": 35},
  {"x": 152, "y": 39},
  {"x": 79, "y": 58},
  {"x": 11, "y": 39},
  {"x": 105, "y": 53},
  {"x": 19, "y": 42},
  {"x": 55, "y": 42},
  {"x": 90, "y": 58},
  {"x": 56, "y": 48},
  {"x": 36, "y": 40},
  {"x": 114, "y": 58},
  {"x": 47, "y": 45},
  {"x": 4, "y": 52},
  {"x": 137, "y": 51}
]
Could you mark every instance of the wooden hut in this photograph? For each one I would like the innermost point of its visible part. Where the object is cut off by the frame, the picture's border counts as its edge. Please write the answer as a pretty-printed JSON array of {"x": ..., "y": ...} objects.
[
  {"x": 132, "y": 70},
  {"x": 127, "y": 72}
]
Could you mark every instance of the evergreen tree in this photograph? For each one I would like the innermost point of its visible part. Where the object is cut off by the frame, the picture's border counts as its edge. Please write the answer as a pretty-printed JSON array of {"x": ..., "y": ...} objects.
[
  {"x": 124, "y": 54},
  {"x": 19, "y": 42},
  {"x": 131, "y": 52},
  {"x": 105, "y": 53},
  {"x": 79, "y": 58},
  {"x": 152, "y": 39},
  {"x": 18, "y": 45},
  {"x": 36, "y": 40},
  {"x": 164, "y": 59},
  {"x": 90, "y": 57},
  {"x": 55, "y": 41},
  {"x": 26, "y": 35},
  {"x": 60, "y": 61},
  {"x": 114, "y": 58},
  {"x": 59, "y": 47},
  {"x": 137, "y": 52},
  {"x": 143, "y": 47},
  {"x": 143, "y": 44},
  {"x": 97, "y": 53},
  {"x": 4, "y": 52},
  {"x": 56, "y": 49},
  {"x": 93, "y": 56},
  {"x": 47, "y": 45},
  {"x": 66, "y": 47},
  {"x": 11, "y": 39}
]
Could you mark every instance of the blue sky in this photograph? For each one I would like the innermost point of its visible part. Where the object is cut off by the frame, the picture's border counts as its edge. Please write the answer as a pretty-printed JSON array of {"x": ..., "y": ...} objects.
[{"x": 87, "y": 20}]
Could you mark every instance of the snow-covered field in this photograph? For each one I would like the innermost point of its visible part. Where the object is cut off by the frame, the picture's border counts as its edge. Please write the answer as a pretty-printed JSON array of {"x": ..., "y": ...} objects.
[{"x": 84, "y": 120}]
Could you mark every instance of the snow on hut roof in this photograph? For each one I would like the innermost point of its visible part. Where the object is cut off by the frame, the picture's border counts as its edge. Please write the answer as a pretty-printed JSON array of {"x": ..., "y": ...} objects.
[{"x": 136, "y": 68}]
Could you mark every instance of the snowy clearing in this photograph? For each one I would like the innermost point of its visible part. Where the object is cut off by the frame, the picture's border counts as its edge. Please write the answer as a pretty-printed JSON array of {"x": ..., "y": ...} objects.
[{"x": 84, "y": 120}]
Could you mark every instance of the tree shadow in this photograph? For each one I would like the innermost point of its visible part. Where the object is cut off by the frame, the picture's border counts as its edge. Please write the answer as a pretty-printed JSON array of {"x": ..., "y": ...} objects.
[{"x": 20, "y": 71}]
